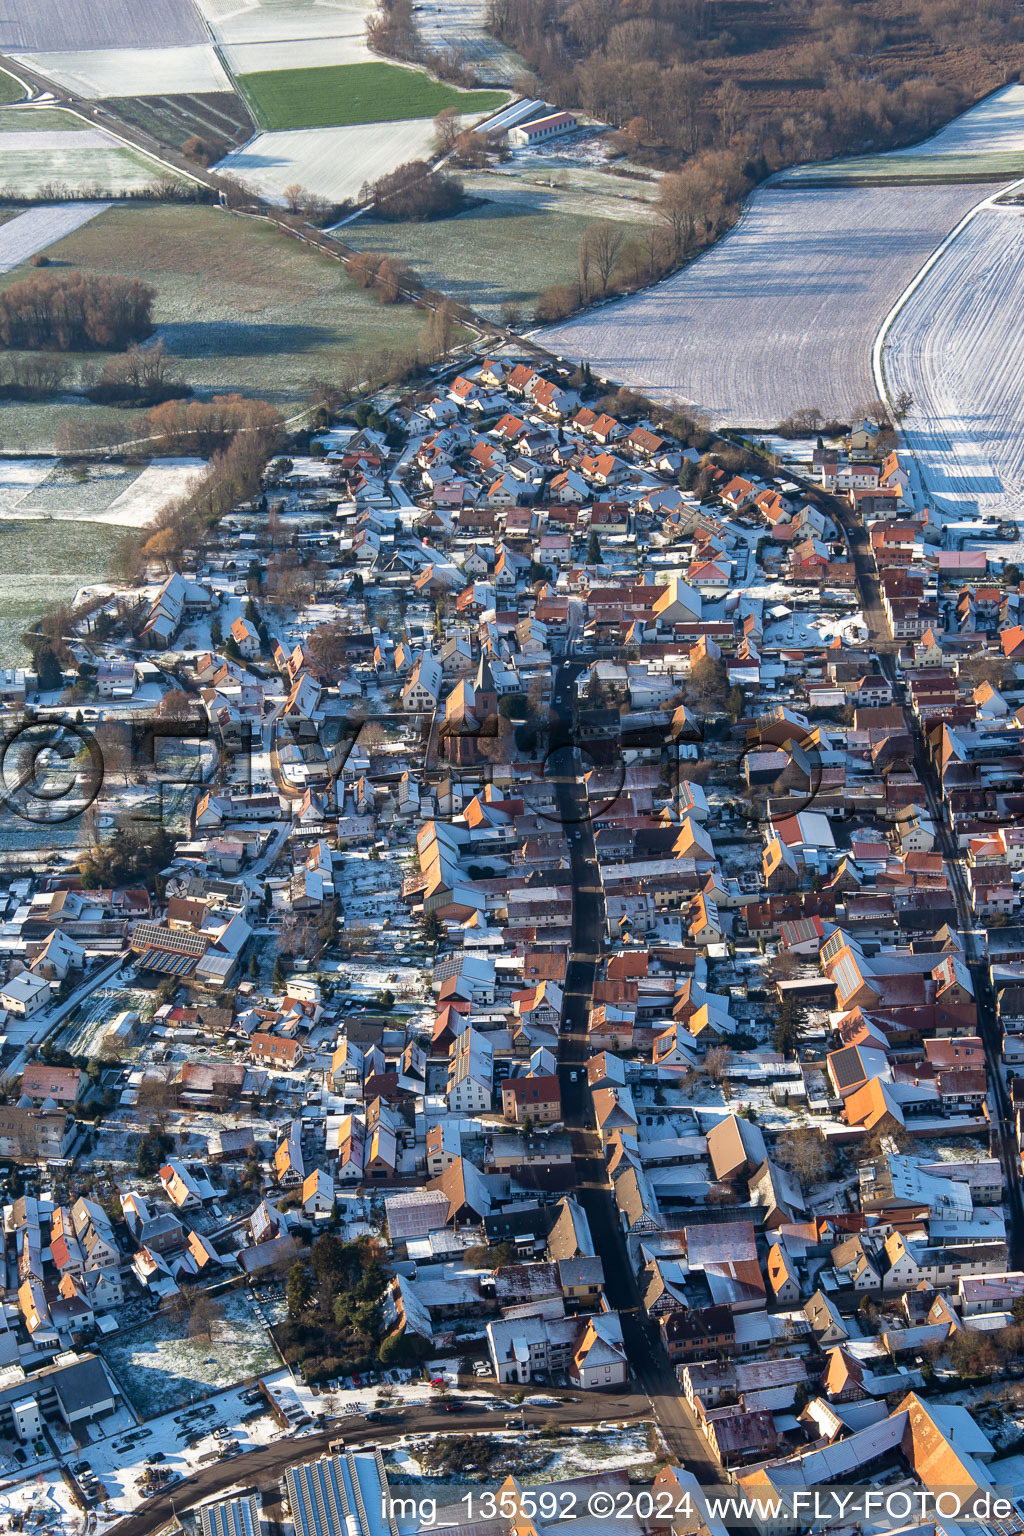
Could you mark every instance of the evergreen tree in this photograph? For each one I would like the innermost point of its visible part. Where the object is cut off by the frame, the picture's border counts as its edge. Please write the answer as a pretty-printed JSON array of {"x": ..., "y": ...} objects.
[
  {"x": 299, "y": 1291},
  {"x": 593, "y": 548}
]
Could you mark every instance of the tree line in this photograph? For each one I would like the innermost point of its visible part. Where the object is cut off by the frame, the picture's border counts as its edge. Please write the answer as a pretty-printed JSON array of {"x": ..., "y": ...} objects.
[
  {"x": 414, "y": 192},
  {"x": 75, "y": 312}
]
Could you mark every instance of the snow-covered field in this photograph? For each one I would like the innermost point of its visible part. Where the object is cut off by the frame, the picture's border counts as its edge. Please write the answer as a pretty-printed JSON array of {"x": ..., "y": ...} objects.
[
  {"x": 956, "y": 345},
  {"x": 334, "y": 162},
  {"x": 161, "y": 482},
  {"x": 780, "y": 314},
  {"x": 26, "y": 26},
  {"x": 460, "y": 25},
  {"x": 260, "y": 21},
  {"x": 276, "y": 34},
  {"x": 99, "y": 493},
  {"x": 995, "y": 124},
  {"x": 37, "y": 228},
  {"x": 98, "y": 72},
  {"x": 162, "y": 1370},
  {"x": 86, "y": 163}
]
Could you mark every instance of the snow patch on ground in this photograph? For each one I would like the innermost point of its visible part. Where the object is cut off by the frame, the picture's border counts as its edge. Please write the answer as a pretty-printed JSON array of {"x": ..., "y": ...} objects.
[
  {"x": 37, "y": 228},
  {"x": 956, "y": 345},
  {"x": 100, "y": 72},
  {"x": 997, "y": 123},
  {"x": 160, "y": 483},
  {"x": 333, "y": 162},
  {"x": 798, "y": 290}
]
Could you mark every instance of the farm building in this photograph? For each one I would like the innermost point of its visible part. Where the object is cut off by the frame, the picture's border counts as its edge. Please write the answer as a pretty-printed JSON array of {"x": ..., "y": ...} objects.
[{"x": 527, "y": 135}]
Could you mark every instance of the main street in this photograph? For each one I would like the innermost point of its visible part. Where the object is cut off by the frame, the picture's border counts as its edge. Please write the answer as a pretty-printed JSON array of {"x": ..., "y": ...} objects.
[
  {"x": 648, "y": 1362},
  {"x": 266, "y": 1467},
  {"x": 887, "y": 648}
]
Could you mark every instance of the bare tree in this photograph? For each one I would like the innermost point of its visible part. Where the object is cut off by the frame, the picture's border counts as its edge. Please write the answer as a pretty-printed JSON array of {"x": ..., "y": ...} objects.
[
  {"x": 446, "y": 130},
  {"x": 805, "y": 1153},
  {"x": 716, "y": 1060},
  {"x": 605, "y": 239},
  {"x": 294, "y": 197}
]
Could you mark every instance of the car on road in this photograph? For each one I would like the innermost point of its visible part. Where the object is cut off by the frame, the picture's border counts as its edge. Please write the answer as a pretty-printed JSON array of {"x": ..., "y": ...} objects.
[{"x": 454, "y": 1407}]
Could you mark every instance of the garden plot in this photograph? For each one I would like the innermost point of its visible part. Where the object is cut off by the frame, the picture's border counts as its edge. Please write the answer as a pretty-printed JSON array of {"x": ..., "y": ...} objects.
[
  {"x": 38, "y": 228},
  {"x": 82, "y": 1033},
  {"x": 956, "y": 345},
  {"x": 161, "y": 1368},
  {"x": 332, "y": 162},
  {"x": 126, "y": 71},
  {"x": 779, "y": 315},
  {"x": 27, "y": 26}
]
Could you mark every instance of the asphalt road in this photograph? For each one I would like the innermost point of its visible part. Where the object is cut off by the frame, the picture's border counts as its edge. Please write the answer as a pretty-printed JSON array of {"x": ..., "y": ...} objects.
[
  {"x": 267, "y": 1466},
  {"x": 649, "y": 1364},
  {"x": 1003, "y": 1139}
]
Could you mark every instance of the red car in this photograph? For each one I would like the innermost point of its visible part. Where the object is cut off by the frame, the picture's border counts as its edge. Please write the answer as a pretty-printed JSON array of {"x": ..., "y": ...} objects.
[
  {"x": 438, "y": 1381},
  {"x": 454, "y": 1407}
]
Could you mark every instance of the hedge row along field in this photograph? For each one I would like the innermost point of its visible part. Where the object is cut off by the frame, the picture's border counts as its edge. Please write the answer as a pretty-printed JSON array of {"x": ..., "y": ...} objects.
[{"x": 355, "y": 93}]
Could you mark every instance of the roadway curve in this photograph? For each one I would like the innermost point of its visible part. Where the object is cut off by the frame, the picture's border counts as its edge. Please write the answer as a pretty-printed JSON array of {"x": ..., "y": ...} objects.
[{"x": 266, "y": 1466}]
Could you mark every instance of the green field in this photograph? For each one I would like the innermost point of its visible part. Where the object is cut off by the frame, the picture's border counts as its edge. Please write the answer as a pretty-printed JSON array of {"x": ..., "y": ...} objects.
[
  {"x": 895, "y": 170},
  {"x": 522, "y": 237},
  {"x": 342, "y": 94},
  {"x": 38, "y": 119},
  {"x": 42, "y": 563},
  {"x": 239, "y": 304},
  {"x": 10, "y": 88}
]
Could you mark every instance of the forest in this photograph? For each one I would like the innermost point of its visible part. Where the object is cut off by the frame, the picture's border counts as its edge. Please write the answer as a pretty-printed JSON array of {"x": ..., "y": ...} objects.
[
  {"x": 75, "y": 312},
  {"x": 797, "y": 80}
]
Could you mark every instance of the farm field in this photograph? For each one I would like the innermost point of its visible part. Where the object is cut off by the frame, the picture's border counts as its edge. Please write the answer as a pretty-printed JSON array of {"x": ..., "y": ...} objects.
[
  {"x": 162, "y": 1370},
  {"x": 89, "y": 164},
  {"x": 782, "y": 313},
  {"x": 589, "y": 193},
  {"x": 219, "y": 118},
  {"x": 43, "y": 147},
  {"x": 902, "y": 168},
  {"x": 355, "y": 93},
  {"x": 461, "y": 25},
  {"x": 268, "y": 314},
  {"x": 986, "y": 143},
  {"x": 10, "y": 88},
  {"x": 505, "y": 252},
  {"x": 43, "y": 563},
  {"x": 38, "y": 228},
  {"x": 126, "y": 71},
  {"x": 956, "y": 345},
  {"x": 332, "y": 162},
  {"x": 124, "y": 495},
  {"x": 995, "y": 124},
  {"x": 264, "y": 21},
  {"x": 28, "y": 27}
]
